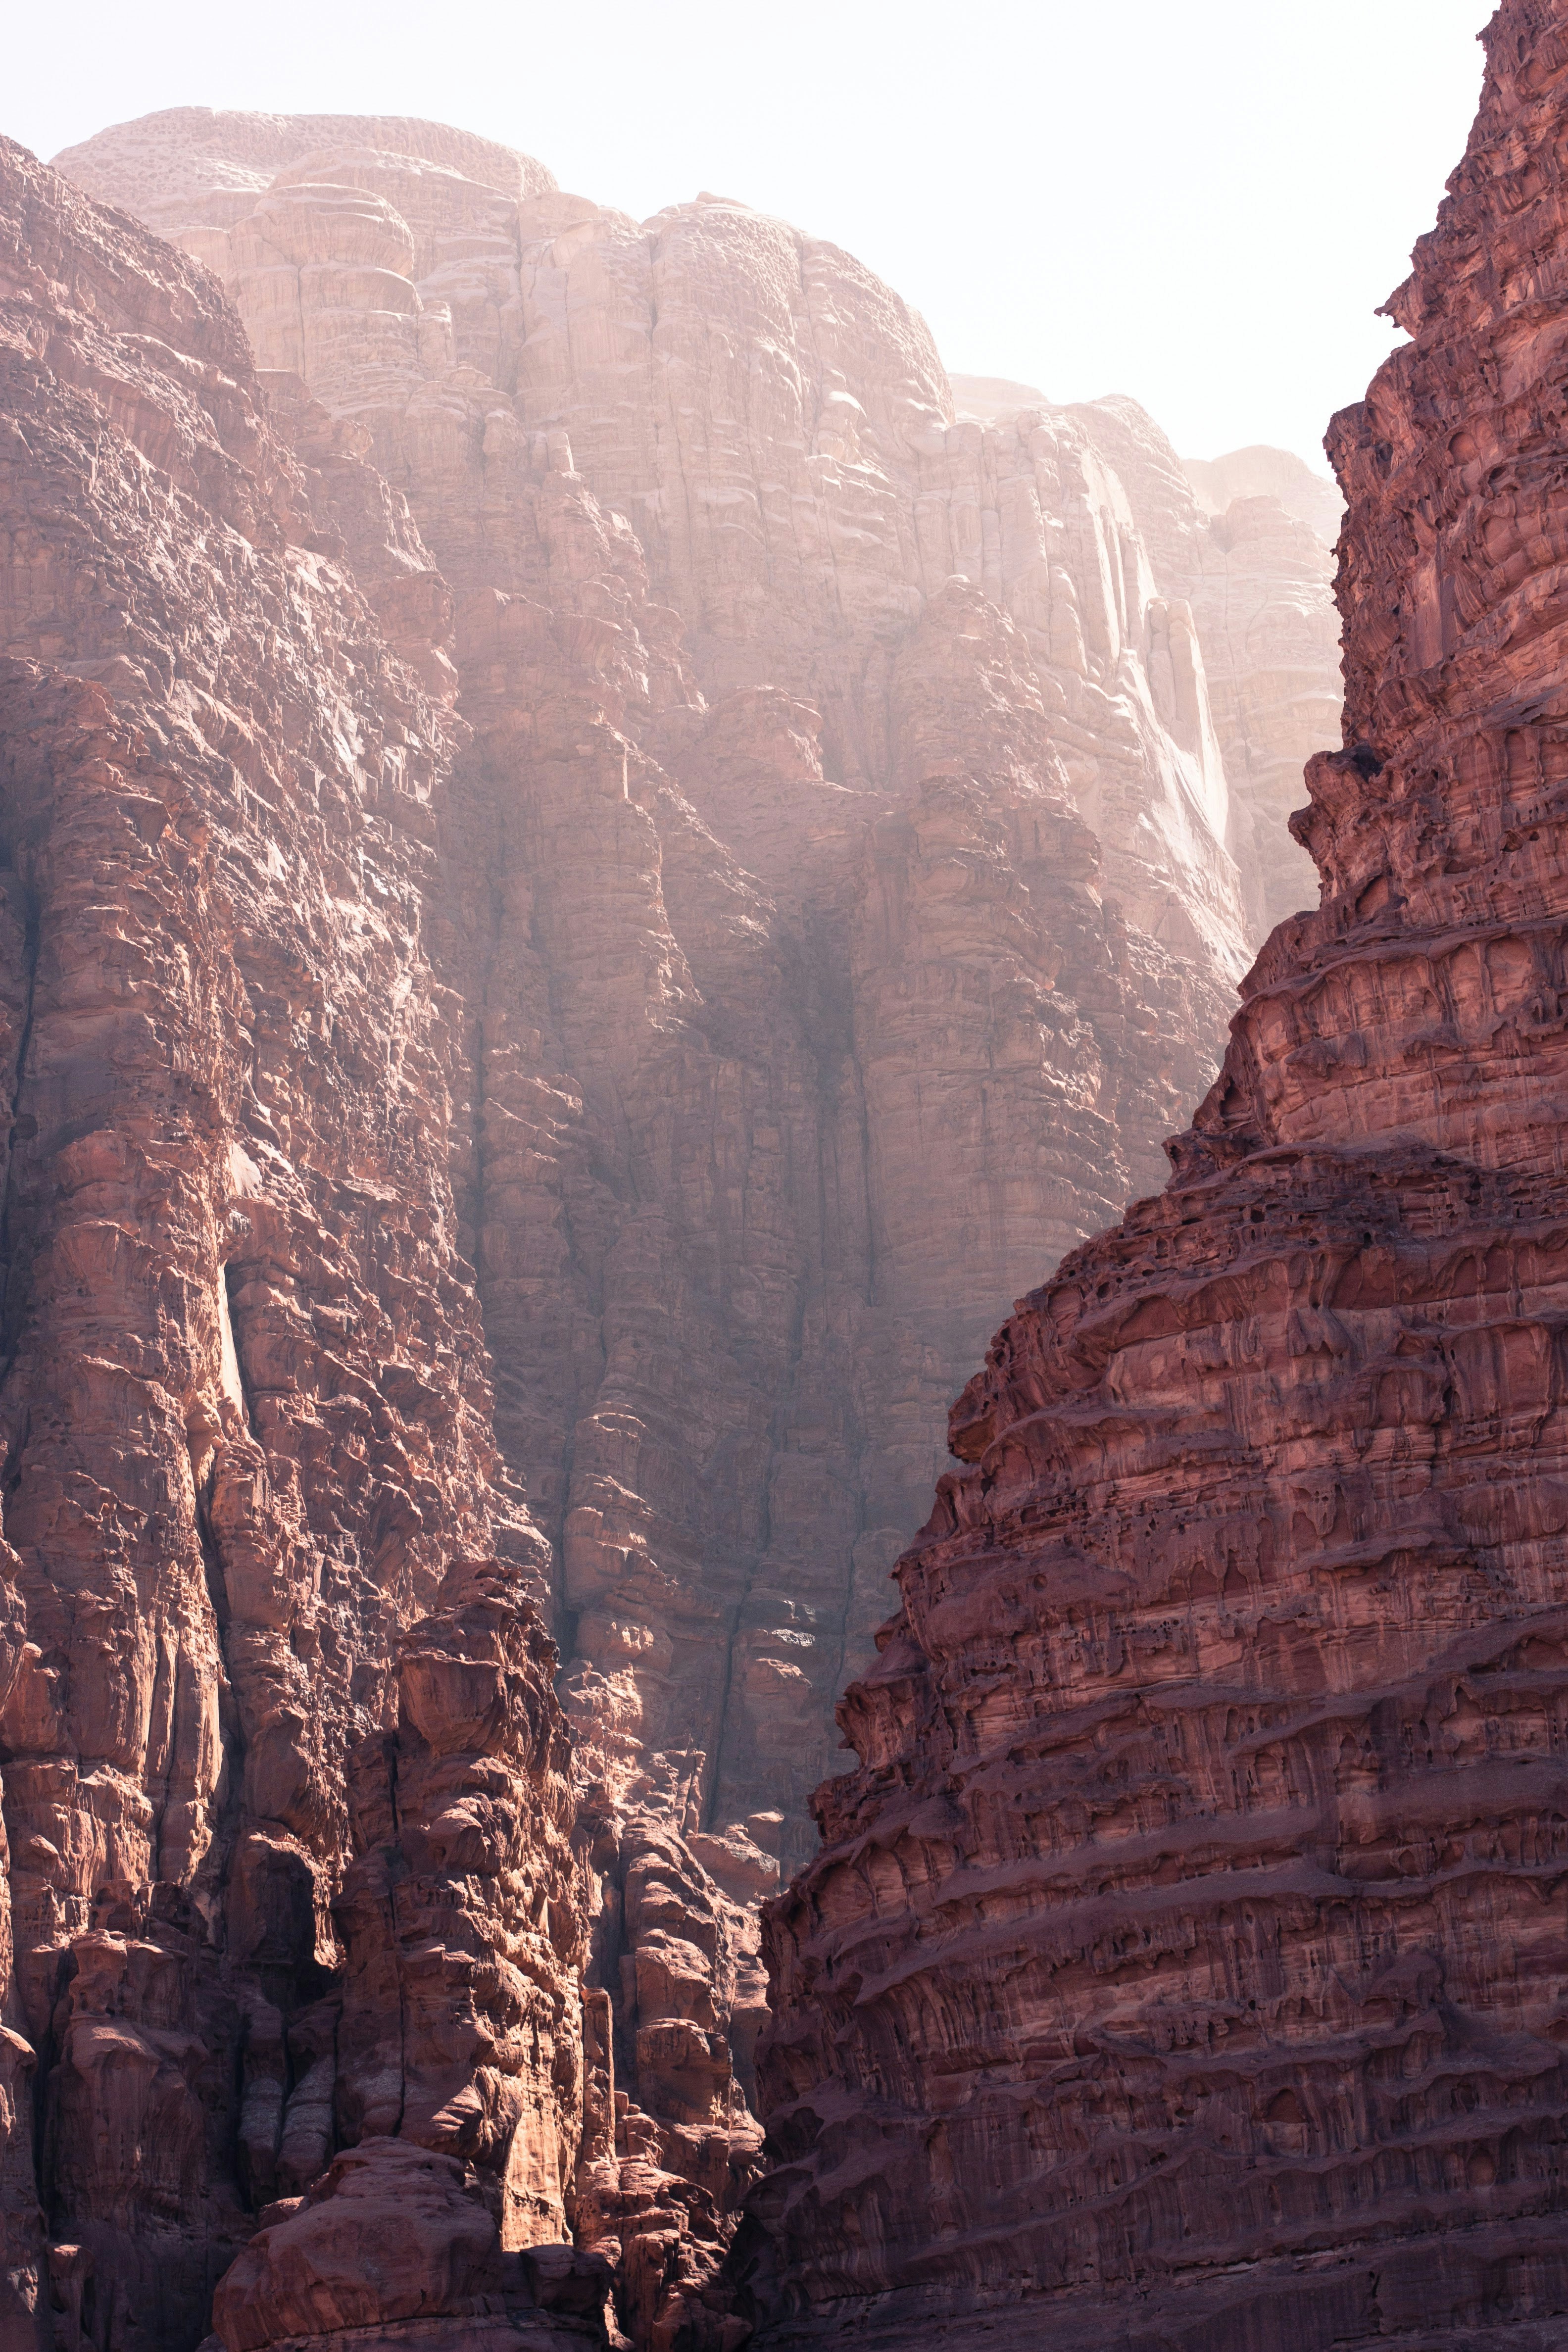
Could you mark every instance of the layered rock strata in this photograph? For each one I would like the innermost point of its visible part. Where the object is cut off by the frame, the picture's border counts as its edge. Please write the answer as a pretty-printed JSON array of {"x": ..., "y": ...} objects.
[
  {"x": 833, "y": 905},
  {"x": 286, "y": 1786},
  {"x": 1184, "y": 1964}
]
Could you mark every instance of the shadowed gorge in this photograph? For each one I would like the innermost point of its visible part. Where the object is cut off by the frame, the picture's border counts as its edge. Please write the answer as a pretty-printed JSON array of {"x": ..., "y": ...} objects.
[{"x": 836, "y": 895}]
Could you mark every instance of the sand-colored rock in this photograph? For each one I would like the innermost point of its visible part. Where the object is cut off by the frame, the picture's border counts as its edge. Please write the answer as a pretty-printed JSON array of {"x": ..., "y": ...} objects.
[
  {"x": 1261, "y": 601},
  {"x": 1257, "y": 578},
  {"x": 198, "y": 160},
  {"x": 1183, "y": 1966},
  {"x": 1261, "y": 472}
]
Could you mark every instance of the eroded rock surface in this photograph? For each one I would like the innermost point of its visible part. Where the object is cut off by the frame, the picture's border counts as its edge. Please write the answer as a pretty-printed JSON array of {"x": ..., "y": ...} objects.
[
  {"x": 1185, "y": 1965},
  {"x": 834, "y": 904},
  {"x": 1246, "y": 543},
  {"x": 286, "y": 1784}
]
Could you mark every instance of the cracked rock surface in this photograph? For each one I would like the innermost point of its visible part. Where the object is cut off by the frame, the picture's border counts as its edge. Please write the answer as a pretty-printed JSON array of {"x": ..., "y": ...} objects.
[
  {"x": 596, "y": 875},
  {"x": 1185, "y": 1965},
  {"x": 835, "y": 903},
  {"x": 286, "y": 1783}
]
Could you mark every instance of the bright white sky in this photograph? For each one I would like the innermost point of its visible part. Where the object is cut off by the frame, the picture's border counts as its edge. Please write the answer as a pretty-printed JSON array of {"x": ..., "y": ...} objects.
[{"x": 1198, "y": 202}]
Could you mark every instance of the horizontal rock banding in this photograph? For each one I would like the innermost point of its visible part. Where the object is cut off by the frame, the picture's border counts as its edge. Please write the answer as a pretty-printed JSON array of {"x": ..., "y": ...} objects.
[
  {"x": 836, "y": 904},
  {"x": 1185, "y": 1965}
]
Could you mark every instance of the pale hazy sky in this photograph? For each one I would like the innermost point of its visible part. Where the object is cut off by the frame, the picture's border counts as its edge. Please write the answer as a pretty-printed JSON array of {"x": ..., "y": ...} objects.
[{"x": 1198, "y": 202}]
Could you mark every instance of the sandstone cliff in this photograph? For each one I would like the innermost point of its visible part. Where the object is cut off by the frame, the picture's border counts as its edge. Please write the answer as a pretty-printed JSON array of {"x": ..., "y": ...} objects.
[
  {"x": 829, "y": 898},
  {"x": 1183, "y": 1966},
  {"x": 1245, "y": 541},
  {"x": 832, "y": 903},
  {"x": 286, "y": 1786}
]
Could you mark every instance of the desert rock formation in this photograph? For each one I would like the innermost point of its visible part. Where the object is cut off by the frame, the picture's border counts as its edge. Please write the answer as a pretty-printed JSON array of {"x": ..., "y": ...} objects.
[
  {"x": 763, "y": 844},
  {"x": 287, "y": 1789},
  {"x": 1247, "y": 542},
  {"x": 1263, "y": 473},
  {"x": 832, "y": 904},
  {"x": 1185, "y": 1965},
  {"x": 848, "y": 713}
]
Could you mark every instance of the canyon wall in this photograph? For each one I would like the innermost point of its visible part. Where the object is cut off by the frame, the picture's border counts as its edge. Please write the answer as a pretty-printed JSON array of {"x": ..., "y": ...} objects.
[
  {"x": 918, "y": 664},
  {"x": 699, "y": 873},
  {"x": 287, "y": 1790},
  {"x": 1184, "y": 1964},
  {"x": 1246, "y": 541},
  {"x": 834, "y": 906}
]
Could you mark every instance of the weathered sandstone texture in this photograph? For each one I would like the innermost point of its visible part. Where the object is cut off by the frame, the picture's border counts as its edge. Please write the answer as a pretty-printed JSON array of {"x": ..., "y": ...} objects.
[
  {"x": 287, "y": 1790},
  {"x": 1246, "y": 542},
  {"x": 1186, "y": 1966},
  {"x": 834, "y": 904},
  {"x": 833, "y": 908}
]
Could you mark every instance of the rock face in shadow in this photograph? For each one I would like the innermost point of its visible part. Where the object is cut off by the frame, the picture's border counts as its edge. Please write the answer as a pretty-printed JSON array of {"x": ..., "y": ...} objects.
[
  {"x": 287, "y": 1794},
  {"x": 835, "y": 907},
  {"x": 1183, "y": 1966},
  {"x": 390, "y": 2234}
]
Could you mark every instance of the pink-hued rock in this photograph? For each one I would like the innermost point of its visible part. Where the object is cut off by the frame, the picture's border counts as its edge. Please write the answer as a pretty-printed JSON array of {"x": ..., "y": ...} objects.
[
  {"x": 396, "y": 2244},
  {"x": 1246, "y": 544},
  {"x": 1183, "y": 1966},
  {"x": 286, "y": 1783},
  {"x": 826, "y": 831},
  {"x": 1261, "y": 595},
  {"x": 832, "y": 903},
  {"x": 195, "y": 160},
  {"x": 1306, "y": 495}
]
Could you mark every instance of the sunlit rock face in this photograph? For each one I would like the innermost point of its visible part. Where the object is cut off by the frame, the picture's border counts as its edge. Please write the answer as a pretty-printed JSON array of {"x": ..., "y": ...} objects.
[
  {"x": 834, "y": 909},
  {"x": 287, "y": 1790},
  {"x": 1263, "y": 597},
  {"x": 1263, "y": 473},
  {"x": 836, "y": 895},
  {"x": 1183, "y": 1965},
  {"x": 1245, "y": 541}
]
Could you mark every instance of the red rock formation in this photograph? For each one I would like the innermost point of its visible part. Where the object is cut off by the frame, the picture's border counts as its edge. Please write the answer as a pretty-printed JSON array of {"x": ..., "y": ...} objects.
[
  {"x": 285, "y": 1782},
  {"x": 393, "y": 2246},
  {"x": 796, "y": 1022},
  {"x": 800, "y": 1010},
  {"x": 1185, "y": 1965}
]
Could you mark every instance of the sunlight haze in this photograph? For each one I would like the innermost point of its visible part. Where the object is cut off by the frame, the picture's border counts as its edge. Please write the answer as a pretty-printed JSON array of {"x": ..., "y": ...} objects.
[{"x": 1200, "y": 206}]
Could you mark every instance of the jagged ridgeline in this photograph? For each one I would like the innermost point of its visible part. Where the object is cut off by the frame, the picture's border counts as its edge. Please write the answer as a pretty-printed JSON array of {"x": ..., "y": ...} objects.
[{"x": 598, "y": 867}]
